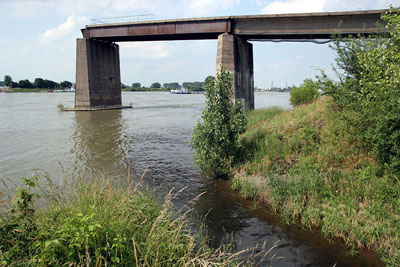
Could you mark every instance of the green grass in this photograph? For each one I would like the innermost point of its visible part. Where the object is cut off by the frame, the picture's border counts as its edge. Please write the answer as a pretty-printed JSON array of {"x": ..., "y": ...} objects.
[
  {"x": 28, "y": 90},
  {"x": 309, "y": 166},
  {"x": 101, "y": 224}
]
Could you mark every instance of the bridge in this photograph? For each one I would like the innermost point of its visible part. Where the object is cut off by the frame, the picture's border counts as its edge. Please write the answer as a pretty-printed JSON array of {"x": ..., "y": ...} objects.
[{"x": 97, "y": 54}]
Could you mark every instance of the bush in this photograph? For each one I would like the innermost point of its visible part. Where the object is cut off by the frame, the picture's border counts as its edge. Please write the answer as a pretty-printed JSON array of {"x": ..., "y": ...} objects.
[
  {"x": 369, "y": 89},
  {"x": 101, "y": 224},
  {"x": 216, "y": 139},
  {"x": 306, "y": 93}
]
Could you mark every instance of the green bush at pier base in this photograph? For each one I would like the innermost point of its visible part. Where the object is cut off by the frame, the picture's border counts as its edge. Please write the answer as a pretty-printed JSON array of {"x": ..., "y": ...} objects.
[{"x": 216, "y": 138}]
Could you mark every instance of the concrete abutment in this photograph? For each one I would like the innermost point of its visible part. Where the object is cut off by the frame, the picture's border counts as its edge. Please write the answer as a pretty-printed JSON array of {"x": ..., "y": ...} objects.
[
  {"x": 236, "y": 55},
  {"x": 98, "y": 78}
]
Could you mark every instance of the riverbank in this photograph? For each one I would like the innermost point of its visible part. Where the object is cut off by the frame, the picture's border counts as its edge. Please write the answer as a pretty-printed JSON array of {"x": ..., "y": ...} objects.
[
  {"x": 307, "y": 165},
  {"x": 101, "y": 223},
  {"x": 26, "y": 90}
]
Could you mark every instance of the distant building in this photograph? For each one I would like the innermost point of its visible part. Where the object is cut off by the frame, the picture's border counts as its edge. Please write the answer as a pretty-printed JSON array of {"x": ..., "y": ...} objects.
[{"x": 1, "y": 84}]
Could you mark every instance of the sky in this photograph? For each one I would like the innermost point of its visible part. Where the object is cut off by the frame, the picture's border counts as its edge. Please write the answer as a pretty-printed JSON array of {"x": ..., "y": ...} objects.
[{"x": 38, "y": 39}]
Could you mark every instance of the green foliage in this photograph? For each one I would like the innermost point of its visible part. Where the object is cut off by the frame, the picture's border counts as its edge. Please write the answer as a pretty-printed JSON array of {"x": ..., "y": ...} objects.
[
  {"x": 25, "y": 84},
  {"x": 101, "y": 224},
  {"x": 193, "y": 86},
  {"x": 8, "y": 81},
  {"x": 18, "y": 229},
  {"x": 216, "y": 139},
  {"x": 65, "y": 84},
  {"x": 123, "y": 86},
  {"x": 208, "y": 79},
  {"x": 155, "y": 85},
  {"x": 311, "y": 169},
  {"x": 369, "y": 89},
  {"x": 306, "y": 93},
  {"x": 174, "y": 85},
  {"x": 136, "y": 85}
]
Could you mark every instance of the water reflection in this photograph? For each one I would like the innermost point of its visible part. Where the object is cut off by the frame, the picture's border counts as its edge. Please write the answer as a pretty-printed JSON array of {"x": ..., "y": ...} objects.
[{"x": 99, "y": 143}]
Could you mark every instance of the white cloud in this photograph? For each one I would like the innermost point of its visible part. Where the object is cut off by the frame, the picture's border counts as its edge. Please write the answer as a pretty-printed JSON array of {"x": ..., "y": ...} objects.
[
  {"x": 65, "y": 30},
  {"x": 293, "y": 6},
  {"x": 146, "y": 50},
  {"x": 201, "y": 7},
  {"x": 306, "y": 6},
  {"x": 283, "y": 65}
]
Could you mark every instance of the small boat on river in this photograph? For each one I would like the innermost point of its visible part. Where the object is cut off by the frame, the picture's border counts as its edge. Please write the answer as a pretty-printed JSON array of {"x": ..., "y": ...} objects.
[{"x": 180, "y": 91}]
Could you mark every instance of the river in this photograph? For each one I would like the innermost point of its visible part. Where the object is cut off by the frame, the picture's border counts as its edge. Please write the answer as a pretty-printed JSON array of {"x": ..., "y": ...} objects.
[{"x": 153, "y": 135}]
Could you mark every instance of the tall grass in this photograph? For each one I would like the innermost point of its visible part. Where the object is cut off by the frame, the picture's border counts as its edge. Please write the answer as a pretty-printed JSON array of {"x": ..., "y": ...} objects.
[
  {"x": 312, "y": 169},
  {"x": 102, "y": 223}
]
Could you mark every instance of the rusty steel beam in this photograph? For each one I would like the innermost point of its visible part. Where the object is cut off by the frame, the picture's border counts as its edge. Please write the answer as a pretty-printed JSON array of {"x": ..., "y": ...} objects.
[
  {"x": 165, "y": 30},
  {"x": 257, "y": 27},
  {"x": 307, "y": 26}
]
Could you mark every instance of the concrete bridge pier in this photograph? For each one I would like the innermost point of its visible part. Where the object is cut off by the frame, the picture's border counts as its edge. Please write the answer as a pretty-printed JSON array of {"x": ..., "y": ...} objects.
[
  {"x": 98, "y": 78},
  {"x": 236, "y": 55}
]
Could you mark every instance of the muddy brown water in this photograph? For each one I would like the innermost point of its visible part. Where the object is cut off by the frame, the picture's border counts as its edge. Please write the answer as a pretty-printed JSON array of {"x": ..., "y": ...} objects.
[{"x": 154, "y": 135}]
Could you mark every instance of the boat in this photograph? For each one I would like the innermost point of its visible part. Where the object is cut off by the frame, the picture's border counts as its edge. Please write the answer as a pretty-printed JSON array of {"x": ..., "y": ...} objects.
[
  {"x": 181, "y": 91},
  {"x": 65, "y": 90}
]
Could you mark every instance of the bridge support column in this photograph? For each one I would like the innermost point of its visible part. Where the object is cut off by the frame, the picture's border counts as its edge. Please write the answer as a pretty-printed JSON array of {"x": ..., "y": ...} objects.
[
  {"x": 98, "y": 78},
  {"x": 236, "y": 55}
]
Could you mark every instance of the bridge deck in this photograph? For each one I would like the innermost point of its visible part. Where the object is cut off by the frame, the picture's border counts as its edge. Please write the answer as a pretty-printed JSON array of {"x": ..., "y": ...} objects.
[{"x": 255, "y": 27}]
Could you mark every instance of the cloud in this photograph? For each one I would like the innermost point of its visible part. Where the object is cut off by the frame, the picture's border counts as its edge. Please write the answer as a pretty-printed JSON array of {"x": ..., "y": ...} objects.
[
  {"x": 201, "y": 7},
  {"x": 147, "y": 50},
  {"x": 293, "y": 6},
  {"x": 306, "y": 6},
  {"x": 283, "y": 65},
  {"x": 65, "y": 30}
]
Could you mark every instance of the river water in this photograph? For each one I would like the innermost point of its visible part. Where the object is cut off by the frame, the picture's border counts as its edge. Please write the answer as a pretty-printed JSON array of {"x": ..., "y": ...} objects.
[{"x": 153, "y": 135}]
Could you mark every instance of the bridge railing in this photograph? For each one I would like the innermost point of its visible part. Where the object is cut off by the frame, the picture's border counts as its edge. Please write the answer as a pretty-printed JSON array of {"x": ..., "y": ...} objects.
[{"x": 123, "y": 19}]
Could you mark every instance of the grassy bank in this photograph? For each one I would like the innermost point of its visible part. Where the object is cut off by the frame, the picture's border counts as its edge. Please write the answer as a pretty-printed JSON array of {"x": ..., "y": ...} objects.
[
  {"x": 310, "y": 168},
  {"x": 101, "y": 224},
  {"x": 28, "y": 90}
]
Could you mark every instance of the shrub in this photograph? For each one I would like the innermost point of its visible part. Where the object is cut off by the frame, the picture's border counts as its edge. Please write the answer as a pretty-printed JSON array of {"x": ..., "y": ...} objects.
[
  {"x": 306, "y": 93},
  {"x": 216, "y": 139},
  {"x": 369, "y": 89},
  {"x": 102, "y": 224}
]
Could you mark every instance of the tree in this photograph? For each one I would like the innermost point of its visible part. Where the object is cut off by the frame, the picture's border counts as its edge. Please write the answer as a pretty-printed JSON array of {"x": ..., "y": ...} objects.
[
  {"x": 216, "y": 138},
  {"x": 8, "y": 81},
  {"x": 208, "y": 79},
  {"x": 174, "y": 85},
  {"x": 25, "y": 84},
  {"x": 155, "y": 85},
  {"x": 306, "y": 93},
  {"x": 65, "y": 84},
  {"x": 39, "y": 83},
  {"x": 368, "y": 90},
  {"x": 136, "y": 85}
]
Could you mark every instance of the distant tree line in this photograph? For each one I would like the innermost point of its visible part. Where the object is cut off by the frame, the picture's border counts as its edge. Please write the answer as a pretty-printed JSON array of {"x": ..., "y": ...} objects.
[
  {"x": 37, "y": 83},
  {"x": 191, "y": 86}
]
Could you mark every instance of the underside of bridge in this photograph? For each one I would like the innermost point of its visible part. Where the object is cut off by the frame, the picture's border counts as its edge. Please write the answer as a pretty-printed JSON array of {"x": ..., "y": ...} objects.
[{"x": 97, "y": 60}]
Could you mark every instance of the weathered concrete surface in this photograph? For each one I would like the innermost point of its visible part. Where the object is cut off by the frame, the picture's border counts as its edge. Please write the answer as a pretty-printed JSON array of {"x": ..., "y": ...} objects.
[
  {"x": 236, "y": 55},
  {"x": 98, "y": 78}
]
